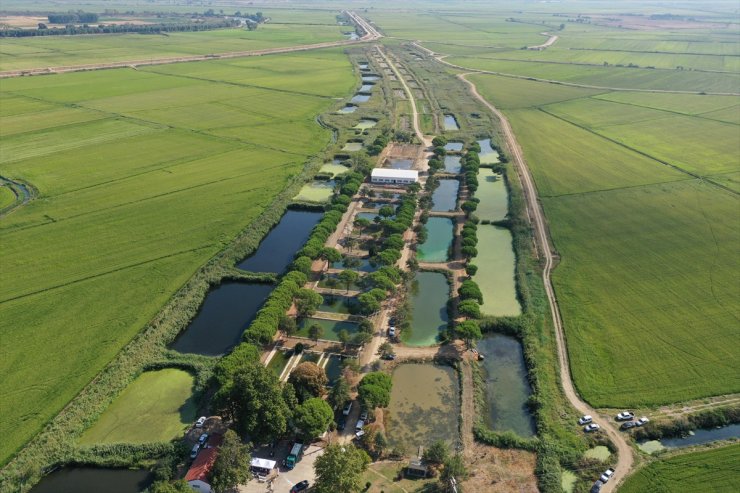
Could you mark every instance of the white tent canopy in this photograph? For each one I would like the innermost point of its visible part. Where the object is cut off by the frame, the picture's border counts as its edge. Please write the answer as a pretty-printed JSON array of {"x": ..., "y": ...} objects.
[{"x": 263, "y": 463}]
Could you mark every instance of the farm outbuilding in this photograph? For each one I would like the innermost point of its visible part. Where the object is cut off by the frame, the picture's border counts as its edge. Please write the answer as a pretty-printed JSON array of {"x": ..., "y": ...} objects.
[
  {"x": 394, "y": 176},
  {"x": 200, "y": 469}
]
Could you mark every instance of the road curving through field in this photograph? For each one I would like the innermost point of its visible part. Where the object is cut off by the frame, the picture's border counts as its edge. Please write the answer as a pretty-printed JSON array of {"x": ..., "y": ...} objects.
[{"x": 625, "y": 460}]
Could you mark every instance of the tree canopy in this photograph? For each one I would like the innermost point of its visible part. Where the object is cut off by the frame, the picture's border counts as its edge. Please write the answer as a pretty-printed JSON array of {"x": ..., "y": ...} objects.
[
  {"x": 308, "y": 380},
  {"x": 232, "y": 463},
  {"x": 340, "y": 468},
  {"x": 312, "y": 418},
  {"x": 375, "y": 390}
]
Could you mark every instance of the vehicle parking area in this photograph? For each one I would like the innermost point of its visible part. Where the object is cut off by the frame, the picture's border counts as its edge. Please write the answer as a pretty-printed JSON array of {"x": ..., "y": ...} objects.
[{"x": 286, "y": 478}]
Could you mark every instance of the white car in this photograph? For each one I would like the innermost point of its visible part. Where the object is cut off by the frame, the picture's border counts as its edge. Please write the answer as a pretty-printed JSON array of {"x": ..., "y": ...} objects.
[
  {"x": 347, "y": 409},
  {"x": 607, "y": 475},
  {"x": 391, "y": 331},
  {"x": 194, "y": 451},
  {"x": 642, "y": 421},
  {"x": 363, "y": 416},
  {"x": 591, "y": 427},
  {"x": 625, "y": 416},
  {"x": 201, "y": 421},
  {"x": 585, "y": 420}
]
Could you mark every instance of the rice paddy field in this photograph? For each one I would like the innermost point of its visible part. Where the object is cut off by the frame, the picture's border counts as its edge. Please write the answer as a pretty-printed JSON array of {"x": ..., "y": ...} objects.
[
  {"x": 54, "y": 51},
  {"x": 142, "y": 177},
  {"x": 711, "y": 471},
  {"x": 156, "y": 406}
]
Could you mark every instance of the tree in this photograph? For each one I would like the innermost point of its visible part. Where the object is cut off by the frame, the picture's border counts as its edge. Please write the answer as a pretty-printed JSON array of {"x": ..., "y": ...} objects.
[
  {"x": 437, "y": 453},
  {"x": 315, "y": 332},
  {"x": 344, "y": 336},
  {"x": 179, "y": 486},
  {"x": 381, "y": 443},
  {"x": 331, "y": 255},
  {"x": 375, "y": 390},
  {"x": 469, "y": 308},
  {"x": 339, "y": 469},
  {"x": 302, "y": 264},
  {"x": 386, "y": 349},
  {"x": 352, "y": 262},
  {"x": 361, "y": 338},
  {"x": 231, "y": 467},
  {"x": 312, "y": 418},
  {"x": 468, "y": 331},
  {"x": 307, "y": 302},
  {"x": 386, "y": 211},
  {"x": 339, "y": 394},
  {"x": 367, "y": 304},
  {"x": 348, "y": 277},
  {"x": 362, "y": 223},
  {"x": 367, "y": 326},
  {"x": 253, "y": 398},
  {"x": 471, "y": 269},
  {"x": 469, "y": 290},
  {"x": 439, "y": 141},
  {"x": 350, "y": 243},
  {"x": 454, "y": 467},
  {"x": 288, "y": 325},
  {"x": 309, "y": 380}
]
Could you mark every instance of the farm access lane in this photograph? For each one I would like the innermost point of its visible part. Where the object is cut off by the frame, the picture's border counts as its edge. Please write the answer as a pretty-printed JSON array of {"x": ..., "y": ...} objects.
[
  {"x": 370, "y": 35},
  {"x": 625, "y": 460}
]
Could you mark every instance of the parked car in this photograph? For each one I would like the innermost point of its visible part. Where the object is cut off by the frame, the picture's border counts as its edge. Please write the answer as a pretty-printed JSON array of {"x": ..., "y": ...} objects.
[
  {"x": 342, "y": 424},
  {"x": 642, "y": 421},
  {"x": 360, "y": 424},
  {"x": 591, "y": 427},
  {"x": 596, "y": 488},
  {"x": 202, "y": 439},
  {"x": 363, "y": 416},
  {"x": 389, "y": 356},
  {"x": 627, "y": 425},
  {"x": 585, "y": 419},
  {"x": 347, "y": 409},
  {"x": 201, "y": 421},
  {"x": 194, "y": 451},
  {"x": 391, "y": 331},
  {"x": 625, "y": 415},
  {"x": 607, "y": 475},
  {"x": 303, "y": 485}
]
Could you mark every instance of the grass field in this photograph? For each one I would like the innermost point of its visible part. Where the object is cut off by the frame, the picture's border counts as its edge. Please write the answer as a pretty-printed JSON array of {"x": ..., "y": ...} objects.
[
  {"x": 154, "y": 407},
  {"x": 7, "y": 197},
  {"x": 712, "y": 471},
  {"x": 53, "y": 51},
  {"x": 647, "y": 278},
  {"x": 133, "y": 201}
]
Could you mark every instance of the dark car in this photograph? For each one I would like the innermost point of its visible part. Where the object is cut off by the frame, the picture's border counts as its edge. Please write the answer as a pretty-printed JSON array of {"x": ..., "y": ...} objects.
[
  {"x": 299, "y": 487},
  {"x": 628, "y": 424},
  {"x": 342, "y": 424},
  {"x": 596, "y": 488},
  {"x": 389, "y": 356}
]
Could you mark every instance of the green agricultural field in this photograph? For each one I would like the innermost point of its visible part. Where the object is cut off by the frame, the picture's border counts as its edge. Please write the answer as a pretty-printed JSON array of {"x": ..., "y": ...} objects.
[
  {"x": 7, "y": 197},
  {"x": 140, "y": 183},
  {"x": 54, "y": 51},
  {"x": 154, "y": 407},
  {"x": 711, "y": 471},
  {"x": 647, "y": 277}
]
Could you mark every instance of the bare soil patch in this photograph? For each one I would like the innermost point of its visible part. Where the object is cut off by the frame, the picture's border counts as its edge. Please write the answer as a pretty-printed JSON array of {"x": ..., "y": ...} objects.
[{"x": 497, "y": 470}]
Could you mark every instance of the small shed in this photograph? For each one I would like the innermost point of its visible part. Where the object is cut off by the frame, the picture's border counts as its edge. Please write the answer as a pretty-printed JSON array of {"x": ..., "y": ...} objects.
[
  {"x": 416, "y": 469},
  {"x": 394, "y": 176},
  {"x": 262, "y": 467}
]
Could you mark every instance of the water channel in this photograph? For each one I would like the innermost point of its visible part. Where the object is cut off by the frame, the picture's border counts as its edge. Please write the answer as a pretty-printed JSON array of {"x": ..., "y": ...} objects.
[
  {"x": 439, "y": 240},
  {"x": 507, "y": 387},
  {"x": 696, "y": 437},
  {"x": 226, "y": 312},
  {"x": 429, "y": 294},
  {"x": 279, "y": 246}
]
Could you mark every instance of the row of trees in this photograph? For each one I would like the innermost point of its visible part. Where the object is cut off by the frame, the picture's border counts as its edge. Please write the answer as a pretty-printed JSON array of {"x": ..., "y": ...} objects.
[{"x": 72, "y": 29}]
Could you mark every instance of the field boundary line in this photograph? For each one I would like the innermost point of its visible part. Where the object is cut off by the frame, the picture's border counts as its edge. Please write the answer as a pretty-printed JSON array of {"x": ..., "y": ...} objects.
[{"x": 625, "y": 461}]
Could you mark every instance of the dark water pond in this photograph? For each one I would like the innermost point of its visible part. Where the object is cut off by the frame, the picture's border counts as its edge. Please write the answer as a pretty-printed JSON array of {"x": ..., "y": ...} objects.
[
  {"x": 366, "y": 87},
  {"x": 222, "y": 318},
  {"x": 337, "y": 304},
  {"x": 454, "y": 146},
  {"x": 280, "y": 245},
  {"x": 452, "y": 164},
  {"x": 507, "y": 387},
  {"x": 451, "y": 123},
  {"x": 444, "y": 197},
  {"x": 360, "y": 98},
  {"x": 400, "y": 163},
  {"x": 370, "y": 78},
  {"x": 350, "y": 108},
  {"x": 363, "y": 265},
  {"x": 94, "y": 480},
  {"x": 697, "y": 437}
]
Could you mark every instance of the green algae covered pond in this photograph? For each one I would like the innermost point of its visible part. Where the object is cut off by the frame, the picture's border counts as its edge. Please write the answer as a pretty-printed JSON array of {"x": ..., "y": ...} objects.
[
  {"x": 494, "y": 198},
  {"x": 425, "y": 404},
  {"x": 429, "y": 294},
  {"x": 496, "y": 265},
  {"x": 439, "y": 239}
]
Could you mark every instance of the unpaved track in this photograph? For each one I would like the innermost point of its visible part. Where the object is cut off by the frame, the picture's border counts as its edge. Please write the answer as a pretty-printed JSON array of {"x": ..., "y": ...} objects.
[
  {"x": 370, "y": 35},
  {"x": 625, "y": 458},
  {"x": 550, "y": 41}
]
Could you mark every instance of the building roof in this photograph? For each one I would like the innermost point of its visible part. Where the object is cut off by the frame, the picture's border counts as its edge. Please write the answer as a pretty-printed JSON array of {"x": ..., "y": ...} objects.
[
  {"x": 411, "y": 174},
  {"x": 263, "y": 463},
  {"x": 202, "y": 465}
]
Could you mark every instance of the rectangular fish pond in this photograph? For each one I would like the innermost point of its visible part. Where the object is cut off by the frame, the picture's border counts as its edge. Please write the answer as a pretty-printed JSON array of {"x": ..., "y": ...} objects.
[
  {"x": 366, "y": 88},
  {"x": 350, "y": 108},
  {"x": 332, "y": 281},
  {"x": 361, "y": 264},
  {"x": 318, "y": 191},
  {"x": 226, "y": 312},
  {"x": 496, "y": 270},
  {"x": 400, "y": 163},
  {"x": 494, "y": 198},
  {"x": 366, "y": 123},
  {"x": 452, "y": 164},
  {"x": 451, "y": 122},
  {"x": 507, "y": 387},
  {"x": 487, "y": 155},
  {"x": 360, "y": 98},
  {"x": 278, "y": 361},
  {"x": 439, "y": 240},
  {"x": 338, "y": 304},
  {"x": 280, "y": 245},
  {"x": 82, "y": 479},
  {"x": 370, "y": 78},
  {"x": 444, "y": 197},
  {"x": 429, "y": 294},
  {"x": 334, "y": 168},
  {"x": 425, "y": 404},
  {"x": 454, "y": 146},
  {"x": 352, "y": 146},
  {"x": 331, "y": 328}
]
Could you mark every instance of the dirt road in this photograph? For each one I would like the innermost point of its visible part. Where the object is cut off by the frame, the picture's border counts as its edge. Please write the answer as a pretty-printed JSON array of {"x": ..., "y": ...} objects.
[
  {"x": 625, "y": 458},
  {"x": 550, "y": 41}
]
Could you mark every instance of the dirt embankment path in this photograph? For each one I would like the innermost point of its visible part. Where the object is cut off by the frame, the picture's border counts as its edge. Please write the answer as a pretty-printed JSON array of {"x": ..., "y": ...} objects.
[
  {"x": 550, "y": 41},
  {"x": 542, "y": 240}
]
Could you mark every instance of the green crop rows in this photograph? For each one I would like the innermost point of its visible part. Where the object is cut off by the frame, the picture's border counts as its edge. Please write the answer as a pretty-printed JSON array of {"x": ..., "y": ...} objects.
[{"x": 143, "y": 176}]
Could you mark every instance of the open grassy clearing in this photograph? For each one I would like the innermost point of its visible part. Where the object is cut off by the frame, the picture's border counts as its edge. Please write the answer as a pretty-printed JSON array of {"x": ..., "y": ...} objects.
[
  {"x": 7, "y": 197},
  {"x": 712, "y": 471},
  {"x": 53, "y": 51},
  {"x": 154, "y": 407},
  {"x": 645, "y": 282},
  {"x": 130, "y": 205}
]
